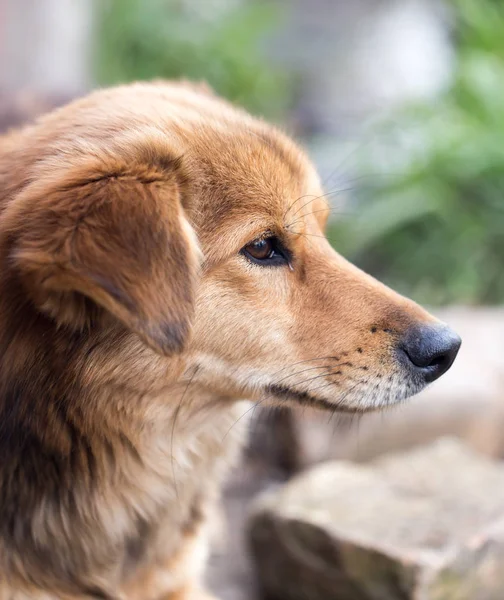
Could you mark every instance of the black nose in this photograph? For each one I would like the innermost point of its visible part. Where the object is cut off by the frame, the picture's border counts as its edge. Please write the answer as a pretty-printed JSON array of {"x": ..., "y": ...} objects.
[{"x": 431, "y": 349}]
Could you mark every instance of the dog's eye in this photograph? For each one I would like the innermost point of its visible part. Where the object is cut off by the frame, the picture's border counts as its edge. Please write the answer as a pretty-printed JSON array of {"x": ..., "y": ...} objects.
[
  {"x": 261, "y": 249},
  {"x": 266, "y": 252}
]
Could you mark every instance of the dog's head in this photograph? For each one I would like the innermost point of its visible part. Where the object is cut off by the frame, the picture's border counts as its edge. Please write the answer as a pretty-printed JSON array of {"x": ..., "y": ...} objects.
[{"x": 165, "y": 212}]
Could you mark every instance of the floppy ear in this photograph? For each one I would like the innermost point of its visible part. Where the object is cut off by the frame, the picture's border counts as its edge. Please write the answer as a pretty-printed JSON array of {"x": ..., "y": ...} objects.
[{"x": 112, "y": 231}]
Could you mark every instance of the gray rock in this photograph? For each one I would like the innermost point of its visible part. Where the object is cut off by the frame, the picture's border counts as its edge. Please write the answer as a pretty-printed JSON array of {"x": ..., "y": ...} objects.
[{"x": 426, "y": 525}]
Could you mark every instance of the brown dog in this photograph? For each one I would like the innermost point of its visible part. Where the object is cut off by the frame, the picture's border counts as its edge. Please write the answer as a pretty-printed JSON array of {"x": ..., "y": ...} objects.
[{"x": 163, "y": 257}]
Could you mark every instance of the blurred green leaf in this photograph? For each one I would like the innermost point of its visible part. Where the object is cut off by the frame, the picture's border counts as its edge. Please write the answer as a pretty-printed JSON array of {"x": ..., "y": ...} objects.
[
  {"x": 435, "y": 230},
  {"x": 146, "y": 39}
]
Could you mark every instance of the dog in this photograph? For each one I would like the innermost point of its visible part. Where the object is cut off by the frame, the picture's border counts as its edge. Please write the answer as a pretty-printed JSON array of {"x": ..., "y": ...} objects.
[{"x": 163, "y": 263}]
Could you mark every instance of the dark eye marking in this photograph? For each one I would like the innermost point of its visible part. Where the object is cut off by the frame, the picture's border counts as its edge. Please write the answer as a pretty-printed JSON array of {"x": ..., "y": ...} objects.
[{"x": 267, "y": 252}]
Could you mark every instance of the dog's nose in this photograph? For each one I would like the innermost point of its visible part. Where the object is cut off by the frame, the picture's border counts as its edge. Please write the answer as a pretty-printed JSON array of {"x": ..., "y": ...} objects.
[{"x": 430, "y": 349}]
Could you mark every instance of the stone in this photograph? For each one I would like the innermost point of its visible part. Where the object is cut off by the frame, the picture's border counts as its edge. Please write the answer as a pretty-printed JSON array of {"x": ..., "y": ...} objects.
[{"x": 423, "y": 525}]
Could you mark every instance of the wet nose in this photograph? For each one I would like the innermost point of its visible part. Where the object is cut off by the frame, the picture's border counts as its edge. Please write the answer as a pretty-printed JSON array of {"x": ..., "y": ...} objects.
[{"x": 430, "y": 349}]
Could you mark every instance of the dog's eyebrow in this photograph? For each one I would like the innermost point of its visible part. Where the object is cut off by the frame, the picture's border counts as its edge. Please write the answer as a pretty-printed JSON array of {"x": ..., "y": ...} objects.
[
  {"x": 273, "y": 144},
  {"x": 268, "y": 230}
]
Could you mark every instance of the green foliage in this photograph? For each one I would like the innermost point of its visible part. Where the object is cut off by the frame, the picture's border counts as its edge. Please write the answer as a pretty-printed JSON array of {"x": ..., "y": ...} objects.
[
  {"x": 221, "y": 43},
  {"x": 434, "y": 228}
]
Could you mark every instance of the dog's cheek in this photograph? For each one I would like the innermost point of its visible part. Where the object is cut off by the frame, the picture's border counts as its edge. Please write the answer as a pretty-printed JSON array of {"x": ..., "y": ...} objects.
[{"x": 238, "y": 322}]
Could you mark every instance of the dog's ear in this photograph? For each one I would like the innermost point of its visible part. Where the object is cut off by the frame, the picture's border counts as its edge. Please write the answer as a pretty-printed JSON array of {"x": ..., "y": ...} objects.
[{"x": 110, "y": 232}]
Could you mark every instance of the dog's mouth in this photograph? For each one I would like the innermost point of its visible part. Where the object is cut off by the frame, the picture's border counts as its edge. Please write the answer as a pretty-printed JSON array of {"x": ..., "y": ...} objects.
[
  {"x": 288, "y": 394},
  {"x": 356, "y": 400}
]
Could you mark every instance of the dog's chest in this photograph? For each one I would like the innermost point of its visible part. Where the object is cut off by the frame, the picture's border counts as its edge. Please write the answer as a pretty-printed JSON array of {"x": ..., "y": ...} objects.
[{"x": 185, "y": 465}]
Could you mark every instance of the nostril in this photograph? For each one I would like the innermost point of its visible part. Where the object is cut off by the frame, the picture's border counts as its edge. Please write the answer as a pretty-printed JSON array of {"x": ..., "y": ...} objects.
[
  {"x": 422, "y": 358},
  {"x": 431, "y": 349},
  {"x": 438, "y": 360},
  {"x": 440, "y": 363}
]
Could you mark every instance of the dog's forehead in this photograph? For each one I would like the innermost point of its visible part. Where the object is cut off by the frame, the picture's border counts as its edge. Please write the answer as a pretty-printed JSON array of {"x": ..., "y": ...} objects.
[{"x": 249, "y": 175}]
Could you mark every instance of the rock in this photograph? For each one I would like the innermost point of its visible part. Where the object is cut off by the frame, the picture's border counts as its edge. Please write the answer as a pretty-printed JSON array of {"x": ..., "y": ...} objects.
[{"x": 426, "y": 525}]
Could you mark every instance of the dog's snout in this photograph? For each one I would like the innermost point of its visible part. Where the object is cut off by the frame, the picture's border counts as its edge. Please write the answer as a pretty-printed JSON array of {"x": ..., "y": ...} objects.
[{"x": 430, "y": 349}]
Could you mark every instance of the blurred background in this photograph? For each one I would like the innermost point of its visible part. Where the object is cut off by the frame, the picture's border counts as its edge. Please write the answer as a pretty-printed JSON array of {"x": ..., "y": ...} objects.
[{"x": 401, "y": 105}]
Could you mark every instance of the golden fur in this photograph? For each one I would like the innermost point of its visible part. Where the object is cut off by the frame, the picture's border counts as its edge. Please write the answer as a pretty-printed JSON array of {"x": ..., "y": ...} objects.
[{"x": 132, "y": 325}]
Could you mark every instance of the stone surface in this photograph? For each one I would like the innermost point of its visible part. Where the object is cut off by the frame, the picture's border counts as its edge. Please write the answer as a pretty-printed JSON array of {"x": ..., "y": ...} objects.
[
  {"x": 425, "y": 525},
  {"x": 229, "y": 572}
]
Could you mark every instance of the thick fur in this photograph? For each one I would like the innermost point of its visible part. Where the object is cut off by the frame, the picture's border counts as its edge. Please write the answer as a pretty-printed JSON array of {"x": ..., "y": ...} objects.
[{"x": 132, "y": 325}]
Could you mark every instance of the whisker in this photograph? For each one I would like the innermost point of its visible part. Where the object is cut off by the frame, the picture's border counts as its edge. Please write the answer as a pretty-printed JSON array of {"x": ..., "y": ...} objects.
[
  {"x": 255, "y": 405},
  {"x": 336, "y": 211},
  {"x": 349, "y": 391},
  {"x": 302, "y": 362},
  {"x": 371, "y": 175},
  {"x": 334, "y": 383},
  {"x": 337, "y": 190},
  {"x": 313, "y": 198},
  {"x": 330, "y": 193},
  {"x": 304, "y": 371},
  {"x": 325, "y": 374},
  {"x": 175, "y": 418},
  {"x": 322, "y": 237},
  {"x": 337, "y": 170},
  {"x": 327, "y": 210},
  {"x": 291, "y": 206}
]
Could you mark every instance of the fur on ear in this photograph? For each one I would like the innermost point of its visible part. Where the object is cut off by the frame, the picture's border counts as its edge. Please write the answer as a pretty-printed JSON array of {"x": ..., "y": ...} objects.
[{"x": 109, "y": 230}]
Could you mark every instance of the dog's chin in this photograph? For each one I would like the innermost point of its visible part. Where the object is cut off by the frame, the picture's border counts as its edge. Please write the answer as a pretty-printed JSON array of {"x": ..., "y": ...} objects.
[{"x": 291, "y": 396}]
